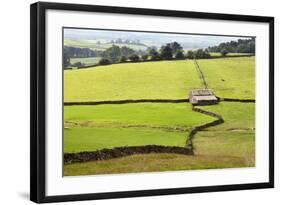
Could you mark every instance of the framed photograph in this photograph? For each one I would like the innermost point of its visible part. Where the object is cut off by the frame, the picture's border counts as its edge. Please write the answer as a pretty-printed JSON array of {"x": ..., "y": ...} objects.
[{"x": 129, "y": 102}]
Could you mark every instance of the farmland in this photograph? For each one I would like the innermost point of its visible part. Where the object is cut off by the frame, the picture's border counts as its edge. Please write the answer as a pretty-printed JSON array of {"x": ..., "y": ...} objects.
[
  {"x": 229, "y": 54},
  {"x": 99, "y": 44},
  {"x": 85, "y": 61},
  {"x": 227, "y": 145},
  {"x": 90, "y": 128},
  {"x": 108, "y": 126},
  {"x": 146, "y": 80},
  {"x": 230, "y": 77}
]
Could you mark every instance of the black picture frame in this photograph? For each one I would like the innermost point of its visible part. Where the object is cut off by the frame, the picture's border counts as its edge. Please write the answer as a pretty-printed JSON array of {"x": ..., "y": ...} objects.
[{"x": 38, "y": 101}]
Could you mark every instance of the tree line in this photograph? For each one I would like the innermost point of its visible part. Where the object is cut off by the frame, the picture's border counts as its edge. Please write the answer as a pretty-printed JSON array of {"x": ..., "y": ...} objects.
[
  {"x": 74, "y": 52},
  {"x": 239, "y": 46},
  {"x": 117, "y": 54},
  {"x": 127, "y": 41},
  {"x": 169, "y": 51}
]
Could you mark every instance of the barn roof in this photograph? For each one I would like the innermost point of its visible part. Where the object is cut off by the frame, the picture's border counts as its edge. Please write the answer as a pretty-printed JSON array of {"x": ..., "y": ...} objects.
[
  {"x": 202, "y": 92},
  {"x": 206, "y": 97}
]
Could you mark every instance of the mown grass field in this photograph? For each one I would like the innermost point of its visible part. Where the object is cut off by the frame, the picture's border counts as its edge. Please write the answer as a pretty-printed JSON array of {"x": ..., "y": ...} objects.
[
  {"x": 146, "y": 80},
  {"x": 235, "y": 137},
  {"x": 86, "y": 61},
  {"x": 230, "y": 77},
  {"x": 106, "y": 126},
  {"x": 229, "y": 145},
  {"x": 90, "y": 128}
]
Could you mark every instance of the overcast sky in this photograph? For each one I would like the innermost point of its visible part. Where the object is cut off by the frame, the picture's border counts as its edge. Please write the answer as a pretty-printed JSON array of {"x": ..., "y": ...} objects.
[{"x": 156, "y": 39}]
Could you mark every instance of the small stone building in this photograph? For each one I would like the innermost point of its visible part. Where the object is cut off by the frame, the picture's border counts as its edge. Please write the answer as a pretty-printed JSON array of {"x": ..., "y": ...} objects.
[{"x": 202, "y": 97}]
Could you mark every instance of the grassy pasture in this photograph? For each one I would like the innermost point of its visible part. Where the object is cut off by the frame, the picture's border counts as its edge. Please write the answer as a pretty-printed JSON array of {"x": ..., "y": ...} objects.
[
  {"x": 89, "y": 128},
  {"x": 237, "y": 116},
  {"x": 229, "y": 145},
  {"x": 146, "y": 80},
  {"x": 153, "y": 163},
  {"x": 86, "y": 61},
  {"x": 106, "y": 126},
  {"x": 92, "y": 139},
  {"x": 147, "y": 114},
  {"x": 230, "y": 77},
  {"x": 235, "y": 137}
]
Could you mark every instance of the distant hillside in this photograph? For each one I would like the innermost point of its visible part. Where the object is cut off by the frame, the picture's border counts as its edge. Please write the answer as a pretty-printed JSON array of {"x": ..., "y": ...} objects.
[
  {"x": 100, "y": 44},
  {"x": 100, "y": 39}
]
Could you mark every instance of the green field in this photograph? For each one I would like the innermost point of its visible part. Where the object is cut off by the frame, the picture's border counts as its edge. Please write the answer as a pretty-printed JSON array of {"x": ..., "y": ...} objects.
[
  {"x": 230, "y": 77},
  {"x": 153, "y": 163},
  {"x": 146, "y": 80},
  {"x": 230, "y": 54},
  {"x": 235, "y": 137},
  {"x": 231, "y": 144},
  {"x": 86, "y": 61},
  {"x": 90, "y": 128}
]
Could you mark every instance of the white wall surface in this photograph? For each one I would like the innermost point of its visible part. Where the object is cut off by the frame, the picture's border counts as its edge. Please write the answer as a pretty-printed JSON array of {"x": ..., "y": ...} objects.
[{"x": 14, "y": 101}]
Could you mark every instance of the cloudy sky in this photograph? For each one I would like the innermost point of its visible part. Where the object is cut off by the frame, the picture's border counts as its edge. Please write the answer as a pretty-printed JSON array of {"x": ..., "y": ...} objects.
[{"x": 148, "y": 38}]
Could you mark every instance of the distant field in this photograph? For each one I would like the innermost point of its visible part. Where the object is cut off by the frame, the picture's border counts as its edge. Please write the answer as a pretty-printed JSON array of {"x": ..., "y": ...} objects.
[
  {"x": 230, "y": 54},
  {"x": 103, "y": 45},
  {"x": 230, "y": 77},
  {"x": 146, "y": 80},
  {"x": 86, "y": 61},
  {"x": 86, "y": 44},
  {"x": 228, "y": 145}
]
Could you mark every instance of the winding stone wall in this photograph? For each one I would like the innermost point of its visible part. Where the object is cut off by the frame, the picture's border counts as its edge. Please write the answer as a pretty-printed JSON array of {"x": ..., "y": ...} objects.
[
  {"x": 122, "y": 152},
  {"x": 128, "y": 101},
  {"x": 236, "y": 100},
  {"x": 195, "y": 129}
]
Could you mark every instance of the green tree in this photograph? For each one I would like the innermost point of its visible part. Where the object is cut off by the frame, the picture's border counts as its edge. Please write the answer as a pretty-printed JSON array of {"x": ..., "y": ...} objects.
[
  {"x": 239, "y": 46},
  {"x": 144, "y": 57},
  {"x": 201, "y": 54},
  {"x": 166, "y": 52},
  {"x": 126, "y": 51},
  {"x": 123, "y": 59},
  {"x": 113, "y": 53},
  {"x": 66, "y": 60},
  {"x": 134, "y": 58},
  {"x": 104, "y": 61},
  {"x": 154, "y": 55},
  {"x": 179, "y": 54},
  {"x": 175, "y": 46},
  {"x": 78, "y": 64},
  {"x": 224, "y": 52},
  {"x": 190, "y": 54}
]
